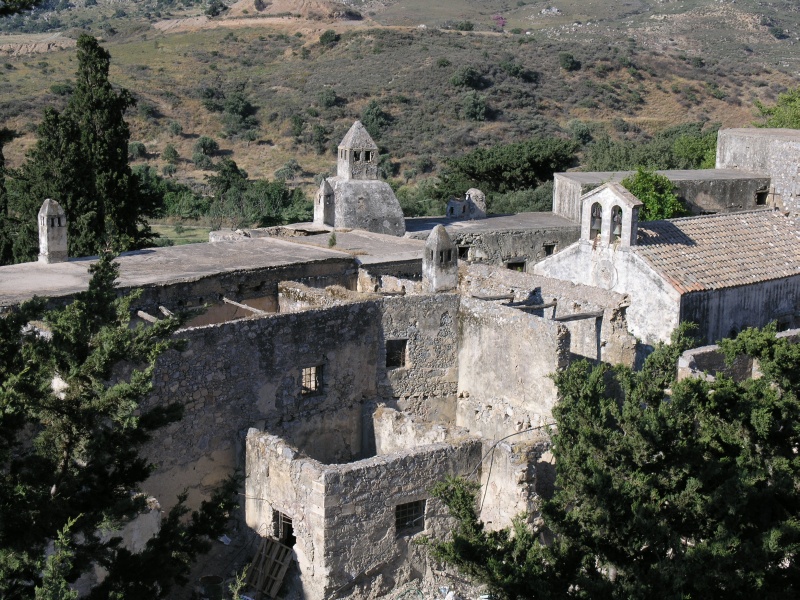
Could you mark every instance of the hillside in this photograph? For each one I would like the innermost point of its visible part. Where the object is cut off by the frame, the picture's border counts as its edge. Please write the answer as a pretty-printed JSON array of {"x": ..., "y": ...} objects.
[{"x": 257, "y": 79}]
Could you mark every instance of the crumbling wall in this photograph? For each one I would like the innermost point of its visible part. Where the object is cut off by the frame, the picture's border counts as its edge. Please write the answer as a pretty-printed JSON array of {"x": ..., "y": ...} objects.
[
  {"x": 361, "y": 500},
  {"x": 294, "y": 296},
  {"x": 504, "y": 359},
  {"x": 237, "y": 375},
  {"x": 396, "y": 431},
  {"x": 514, "y": 477},
  {"x": 344, "y": 515},
  {"x": 709, "y": 361},
  {"x": 278, "y": 479},
  {"x": 605, "y": 338},
  {"x": 428, "y": 382},
  {"x": 502, "y": 247}
]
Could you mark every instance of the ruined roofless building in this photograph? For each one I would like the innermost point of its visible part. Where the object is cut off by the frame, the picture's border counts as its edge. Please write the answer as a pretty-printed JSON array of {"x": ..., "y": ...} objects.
[{"x": 356, "y": 198}]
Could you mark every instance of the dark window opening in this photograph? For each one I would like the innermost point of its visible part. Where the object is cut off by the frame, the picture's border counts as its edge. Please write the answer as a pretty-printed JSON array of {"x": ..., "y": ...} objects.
[
  {"x": 396, "y": 353},
  {"x": 367, "y": 156},
  {"x": 312, "y": 380},
  {"x": 463, "y": 252},
  {"x": 284, "y": 531},
  {"x": 761, "y": 198},
  {"x": 357, "y": 155},
  {"x": 516, "y": 265},
  {"x": 549, "y": 249},
  {"x": 409, "y": 518},
  {"x": 441, "y": 257},
  {"x": 449, "y": 256}
]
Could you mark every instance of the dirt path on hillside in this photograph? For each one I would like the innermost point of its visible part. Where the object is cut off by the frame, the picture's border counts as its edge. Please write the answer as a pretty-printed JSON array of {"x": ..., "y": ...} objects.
[{"x": 17, "y": 45}]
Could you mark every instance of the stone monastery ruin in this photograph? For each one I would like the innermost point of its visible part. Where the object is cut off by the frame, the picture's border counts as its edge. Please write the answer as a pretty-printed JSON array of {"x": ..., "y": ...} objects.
[{"x": 345, "y": 381}]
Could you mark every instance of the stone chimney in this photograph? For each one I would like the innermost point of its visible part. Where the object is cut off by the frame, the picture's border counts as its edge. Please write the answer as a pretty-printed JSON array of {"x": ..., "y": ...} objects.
[
  {"x": 440, "y": 262},
  {"x": 52, "y": 232}
]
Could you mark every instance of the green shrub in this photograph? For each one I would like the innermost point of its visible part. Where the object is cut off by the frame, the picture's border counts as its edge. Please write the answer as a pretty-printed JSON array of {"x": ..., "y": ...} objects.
[
  {"x": 467, "y": 76},
  {"x": 567, "y": 62},
  {"x": 473, "y": 107},
  {"x": 656, "y": 192},
  {"x": 329, "y": 38},
  {"x": 170, "y": 154},
  {"x": 205, "y": 146},
  {"x": 136, "y": 150}
]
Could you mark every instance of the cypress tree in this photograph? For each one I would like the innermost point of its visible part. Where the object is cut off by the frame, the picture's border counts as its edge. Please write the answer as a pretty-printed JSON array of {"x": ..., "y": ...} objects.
[{"x": 81, "y": 160}]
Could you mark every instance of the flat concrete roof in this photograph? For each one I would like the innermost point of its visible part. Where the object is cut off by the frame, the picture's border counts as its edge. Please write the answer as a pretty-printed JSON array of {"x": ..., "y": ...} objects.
[
  {"x": 365, "y": 246},
  {"x": 420, "y": 227},
  {"x": 595, "y": 177},
  {"x": 159, "y": 266},
  {"x": 758, "y": 132}
]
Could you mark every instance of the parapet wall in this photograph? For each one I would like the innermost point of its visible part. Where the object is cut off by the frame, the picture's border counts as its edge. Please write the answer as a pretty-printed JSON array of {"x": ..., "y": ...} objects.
[{"x": 775, "y": 152}]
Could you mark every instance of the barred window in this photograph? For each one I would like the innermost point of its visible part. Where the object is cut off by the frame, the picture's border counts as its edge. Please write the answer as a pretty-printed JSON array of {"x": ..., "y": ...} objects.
[
  {"x": 396, "y": 353},
  {"x": 409, "y": 518},
  {"x": 312, "y": 380}
]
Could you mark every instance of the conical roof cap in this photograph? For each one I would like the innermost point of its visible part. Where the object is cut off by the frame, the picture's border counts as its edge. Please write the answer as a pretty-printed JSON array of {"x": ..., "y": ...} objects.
[
  {"x": 438, "y": 239},
  {"x": 51, "y": 208},
  {"x": 358, "y": 138}
]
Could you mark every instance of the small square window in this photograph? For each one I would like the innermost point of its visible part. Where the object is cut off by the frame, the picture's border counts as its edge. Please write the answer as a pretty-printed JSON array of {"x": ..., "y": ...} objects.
[
  {"x": 409, "y": 518},
  {"x": 549, "y": 249},
  {"x": 463, "y": 252},
  {"x": 396, "y": 353},
  {"x": 516, "y": 265},
  {"x": 312, "y": 380}
]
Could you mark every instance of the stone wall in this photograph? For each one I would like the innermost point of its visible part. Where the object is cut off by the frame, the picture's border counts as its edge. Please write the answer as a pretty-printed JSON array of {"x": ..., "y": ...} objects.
[
  {"x": 654, "y": 304},
  {"x": 344, "y": 515},
  {"x": 607, "y": 340},
  {"x": 428, "y": 383},
  {"x": 775, "y": 152},
  {"x": 237, "y": 375},
  {"x": 248, "y": 373},
  {"x": 504, "y": 358},
  {"x": 501, "y": 247},
  {"x": 725, "y": 312},
  {"x": 514, "y": 477}
]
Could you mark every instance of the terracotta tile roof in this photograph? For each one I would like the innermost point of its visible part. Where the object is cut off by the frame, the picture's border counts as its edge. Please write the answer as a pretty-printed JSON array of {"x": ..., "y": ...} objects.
[{"x": 720, "y": 251}]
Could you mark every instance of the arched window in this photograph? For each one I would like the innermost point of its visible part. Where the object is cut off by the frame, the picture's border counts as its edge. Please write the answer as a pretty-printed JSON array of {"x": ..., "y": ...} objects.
[
  {"x": 596, "y": 221},
  {"x": 616, "y": 223}
]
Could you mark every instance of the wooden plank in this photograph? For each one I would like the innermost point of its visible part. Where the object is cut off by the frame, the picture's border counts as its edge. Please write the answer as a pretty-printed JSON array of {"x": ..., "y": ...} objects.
[
  {"x": 504, "y": 297},
  {"x": 268, "y": 568},
  {"x": 579, "y": 316},
  {"x": 534, "y": 306},
  {"x": 165, "y": 311},
  {"x": 244, "y": 306}
]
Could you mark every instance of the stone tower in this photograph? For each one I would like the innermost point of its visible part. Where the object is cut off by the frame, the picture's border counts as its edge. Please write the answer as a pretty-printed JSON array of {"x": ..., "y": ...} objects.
[
  {"x": 356, "y": 198},
  {"x": 358, "y": 155},
  {"x": 52, "y": 232},
  {"x": 440, "y": 262}
]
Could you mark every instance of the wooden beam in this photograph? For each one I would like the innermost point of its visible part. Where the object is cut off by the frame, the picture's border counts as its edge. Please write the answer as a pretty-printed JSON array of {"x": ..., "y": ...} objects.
[
  {"x": 165, "y": 311},
  {"x": 536, "y": 306},
  {"x": 505, "y": 297},
  {"x": 579, "y": 316},
  {"x": 244, "y": 306},
  {"x": 147, "y": 317}
]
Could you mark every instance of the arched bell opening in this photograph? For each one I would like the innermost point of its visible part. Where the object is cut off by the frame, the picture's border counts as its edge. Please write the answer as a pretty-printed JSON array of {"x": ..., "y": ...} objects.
[
  {"x": 616, "y": 223},
  {"x": 596, "y": 221}
]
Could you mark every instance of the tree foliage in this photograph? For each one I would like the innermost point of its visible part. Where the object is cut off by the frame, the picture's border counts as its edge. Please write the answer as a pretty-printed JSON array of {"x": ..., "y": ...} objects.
[
  {"x": 784, "y": 113},
  {"x": 81, "y": 160},
  {"x": 656, "y": 192},
  {"x": 13, "y": 7},
  {"x": 665, "y": 489},
  {"x": 71, "y": 427},
  {"x": 687, "y": 146},
  {"x": 507, "y": 167}
]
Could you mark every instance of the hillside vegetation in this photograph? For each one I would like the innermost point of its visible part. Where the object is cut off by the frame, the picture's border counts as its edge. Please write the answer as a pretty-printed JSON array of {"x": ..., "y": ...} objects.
[{"x": 276, "y": 84}]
